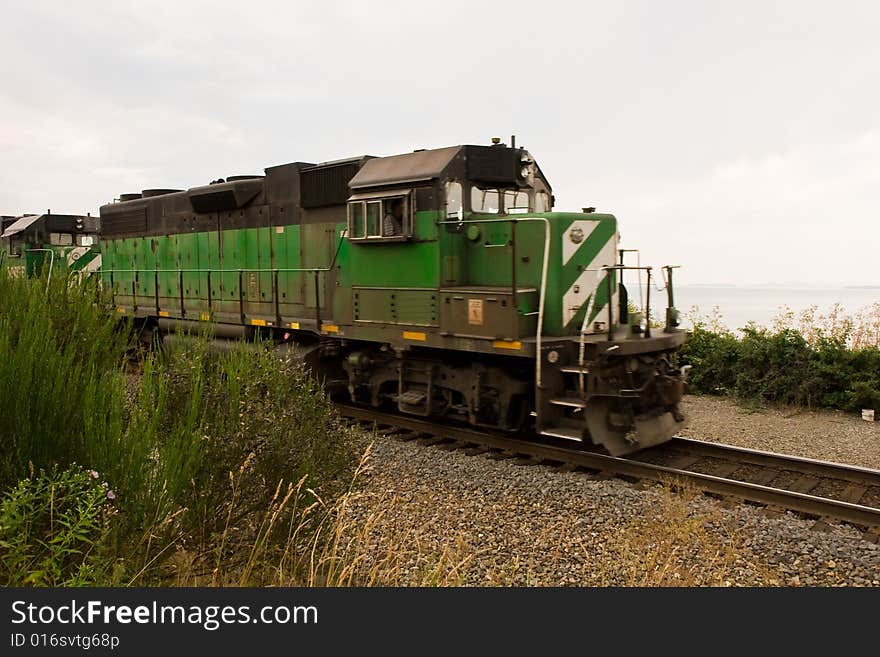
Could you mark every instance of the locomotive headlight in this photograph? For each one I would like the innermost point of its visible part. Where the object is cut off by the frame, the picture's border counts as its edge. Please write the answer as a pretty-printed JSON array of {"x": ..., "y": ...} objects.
[
  {"x": 632, "y": 365},
  {"x": 526, "y": 169},
  {"x": 552, "y": 356}
]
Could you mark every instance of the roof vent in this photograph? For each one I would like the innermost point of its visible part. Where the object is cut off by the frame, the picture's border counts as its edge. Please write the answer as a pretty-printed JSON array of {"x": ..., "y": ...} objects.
[
  {"x": 234, "y": 178},
  {"x": 128, "y": 197},
  {"x": 148, "y": 193}
]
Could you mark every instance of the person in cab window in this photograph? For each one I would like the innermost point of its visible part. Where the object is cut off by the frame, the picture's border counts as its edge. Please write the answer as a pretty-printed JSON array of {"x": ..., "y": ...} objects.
[{"x": 392, "y": 224}]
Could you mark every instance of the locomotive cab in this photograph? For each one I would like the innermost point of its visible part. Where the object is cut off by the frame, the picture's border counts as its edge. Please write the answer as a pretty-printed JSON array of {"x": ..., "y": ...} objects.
[
  {"x": 48, "y": 241},
  {"x": 534, "y": 292}
]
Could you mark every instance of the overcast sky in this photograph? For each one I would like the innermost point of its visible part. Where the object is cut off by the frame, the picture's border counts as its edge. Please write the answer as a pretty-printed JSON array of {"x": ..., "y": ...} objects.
[{"x": 740, "y": 139}]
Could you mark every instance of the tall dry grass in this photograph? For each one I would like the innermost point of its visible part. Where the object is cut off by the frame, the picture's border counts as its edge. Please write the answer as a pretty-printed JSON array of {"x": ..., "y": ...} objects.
[
  {"x": 860, "y": 330},
  {"x": 679, "y": 542},
  {"x": 301, "y": 539},
  {"x": 675, "y": 542}
]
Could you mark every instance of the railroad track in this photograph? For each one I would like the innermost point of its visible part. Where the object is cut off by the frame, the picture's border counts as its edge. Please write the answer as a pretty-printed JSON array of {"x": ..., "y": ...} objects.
[{"x": 819, "y": 489}]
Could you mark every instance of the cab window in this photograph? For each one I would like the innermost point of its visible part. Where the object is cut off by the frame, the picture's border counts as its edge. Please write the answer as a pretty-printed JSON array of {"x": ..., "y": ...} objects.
[
  {"x": 380, "y": 218},
  {"x": 356, "y": 225},
  {"x": 485, "y": 200},
  {"x": 374, "y": 218},
  {"x": 85, "y": 240},
  {"x": 60, "y": 239},
  {"x": 516, "y": 201},
  {"x": 453, "y": 201},
  {"x": 542, "y": 202}
]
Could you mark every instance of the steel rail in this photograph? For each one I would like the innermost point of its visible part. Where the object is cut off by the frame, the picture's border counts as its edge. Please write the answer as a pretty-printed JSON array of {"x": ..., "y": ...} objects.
[
  {"x": 813, "y": 505},
  {"x": 799, "y": 464}
]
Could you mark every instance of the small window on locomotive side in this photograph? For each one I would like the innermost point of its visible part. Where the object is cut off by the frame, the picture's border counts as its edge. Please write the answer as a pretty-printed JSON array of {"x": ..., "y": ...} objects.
[
  {"x": 485, "y": 200},
  {"x": 374, "y": 219},
  {"x": 85, "y": 240},
  {"x": 60, "y": 239},
  {"x": 356, "y": 220}
]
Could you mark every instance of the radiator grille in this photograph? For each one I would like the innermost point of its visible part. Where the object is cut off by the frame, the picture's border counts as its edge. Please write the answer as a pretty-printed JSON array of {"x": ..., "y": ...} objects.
[
  {"x": 327, "y": 185},
  {"x": 124, "y": 222}
]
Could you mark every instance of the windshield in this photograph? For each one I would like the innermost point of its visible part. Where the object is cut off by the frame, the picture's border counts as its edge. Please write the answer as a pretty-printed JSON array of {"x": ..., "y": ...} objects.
[
  {"x": 516, "y": 202},
  {"x": 485, "y": 200}
]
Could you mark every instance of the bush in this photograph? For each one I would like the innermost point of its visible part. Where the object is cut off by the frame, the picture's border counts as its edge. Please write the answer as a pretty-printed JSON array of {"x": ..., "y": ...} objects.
[
  {"x": 713, "y": 359},
  {"x": 61, "y": 383},
  {"x": 54, "y": 528},
  {"x": 782, "y": 365},
  {"x": 249, "y": 412},
  {"x": 170, "y": 437}
]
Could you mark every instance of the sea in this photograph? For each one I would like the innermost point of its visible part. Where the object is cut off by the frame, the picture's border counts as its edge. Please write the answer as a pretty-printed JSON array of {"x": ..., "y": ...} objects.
[{"x": 738, "y": 306}]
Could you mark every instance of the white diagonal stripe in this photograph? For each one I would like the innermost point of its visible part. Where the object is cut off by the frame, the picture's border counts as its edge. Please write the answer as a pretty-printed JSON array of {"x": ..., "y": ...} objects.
[
  {"x": 76, "y": 253},
  {"x": 585, "y": 284},
  {"x": 569, "y": 248},
  {"x": 94, "y": 264}
]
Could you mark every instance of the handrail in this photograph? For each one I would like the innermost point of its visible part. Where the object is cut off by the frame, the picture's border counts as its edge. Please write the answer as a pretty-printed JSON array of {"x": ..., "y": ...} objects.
[
  {"x": 647, "y": 307},
  {"x": 638, "y": 266},
  {"x": 180, "y": 272},
  {"x": 208, "y": 271},
  {"x": 586, "y": 320}
]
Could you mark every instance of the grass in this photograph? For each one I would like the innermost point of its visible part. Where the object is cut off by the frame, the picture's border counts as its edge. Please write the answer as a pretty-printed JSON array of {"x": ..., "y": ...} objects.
[
  {"x": 60, "y": 375},
  {"x": 676, "y": 542},
  {"x": 165, "y": 440},
  {"x": 674, "y": 545}
]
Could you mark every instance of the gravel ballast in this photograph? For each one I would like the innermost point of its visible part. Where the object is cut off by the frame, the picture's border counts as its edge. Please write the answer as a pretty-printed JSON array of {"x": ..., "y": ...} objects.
[
  {"x": 825, "y": 435},
  {"x": 471, "y": 520}
]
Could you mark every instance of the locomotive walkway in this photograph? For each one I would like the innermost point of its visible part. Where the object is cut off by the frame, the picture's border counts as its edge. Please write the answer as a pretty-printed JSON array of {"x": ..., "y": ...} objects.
[{"x": 820, "y": 489}]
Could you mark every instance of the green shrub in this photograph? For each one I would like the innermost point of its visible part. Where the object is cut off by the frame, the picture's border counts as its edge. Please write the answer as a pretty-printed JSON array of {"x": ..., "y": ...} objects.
[
  {"x": 781, "y": 365},
  {"x": 170, "y": 437},
  {"x": 61, "y": 384},
  {"x": 54, "y": 528},
  {"x": 248, "y": 411},
  {"x": 863, "y": 395}
]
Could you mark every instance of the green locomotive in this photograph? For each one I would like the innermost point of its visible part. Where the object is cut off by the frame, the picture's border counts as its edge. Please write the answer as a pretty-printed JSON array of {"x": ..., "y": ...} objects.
[
  {"x": 47, "y": 242},
  {"x": 440, "y": 281}
]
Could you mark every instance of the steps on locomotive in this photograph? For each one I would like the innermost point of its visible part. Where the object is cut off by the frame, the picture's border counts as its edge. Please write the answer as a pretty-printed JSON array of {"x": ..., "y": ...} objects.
[
  {"x": 412, "y": 397},
  {"x": 570, "y": 402},
  {"x": 569, "y": 422},
  {"x": 564, "y": 417}
]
